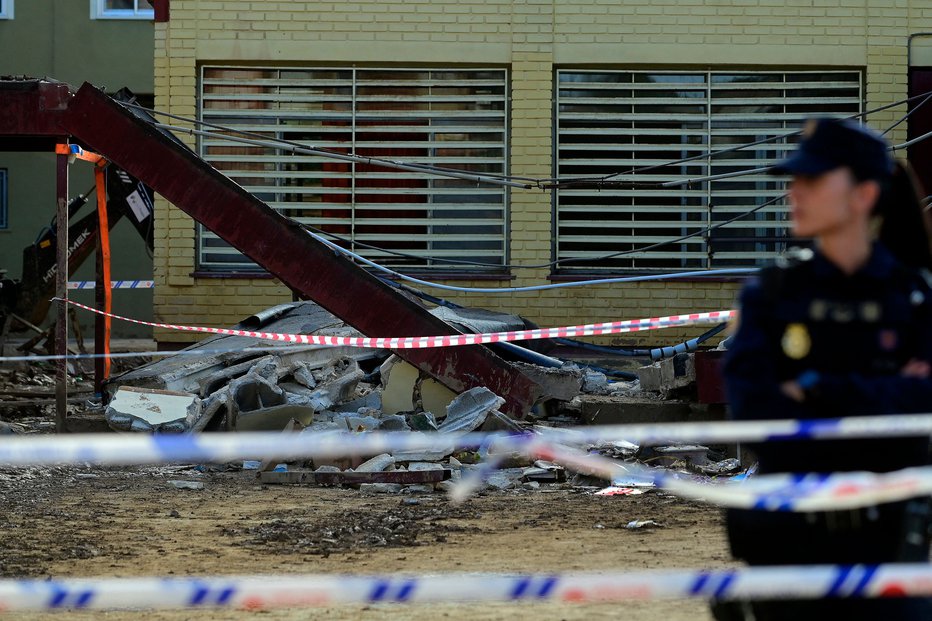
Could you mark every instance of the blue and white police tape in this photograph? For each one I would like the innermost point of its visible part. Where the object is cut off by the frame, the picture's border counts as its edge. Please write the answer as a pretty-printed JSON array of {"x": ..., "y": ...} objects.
[
  {"x": 770, "y": 492},
  {"x": 296, "y": 591},
  {"x": 105, "y": 449},
  {"x": 114, "y": 284}
]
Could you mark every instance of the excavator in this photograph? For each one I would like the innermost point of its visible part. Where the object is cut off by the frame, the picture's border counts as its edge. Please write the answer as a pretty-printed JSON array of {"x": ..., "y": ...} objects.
[{"x": 25, "y": 302}]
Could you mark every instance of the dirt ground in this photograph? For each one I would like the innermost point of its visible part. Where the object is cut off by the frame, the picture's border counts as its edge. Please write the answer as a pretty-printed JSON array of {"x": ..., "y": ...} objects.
[{"x": 70, "y": 522}]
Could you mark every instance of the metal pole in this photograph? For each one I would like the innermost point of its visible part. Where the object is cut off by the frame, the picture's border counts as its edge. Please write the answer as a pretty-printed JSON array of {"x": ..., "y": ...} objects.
[{"x": 61, "y": 291}]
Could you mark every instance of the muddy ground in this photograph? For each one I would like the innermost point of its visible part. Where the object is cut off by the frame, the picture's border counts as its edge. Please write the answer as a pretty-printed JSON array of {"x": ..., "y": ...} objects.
[{"x": 69, "y": 522}]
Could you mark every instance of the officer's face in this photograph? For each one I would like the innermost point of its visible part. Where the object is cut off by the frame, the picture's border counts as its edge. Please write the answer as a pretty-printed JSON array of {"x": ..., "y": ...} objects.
[{"x": 826, "y": 203}]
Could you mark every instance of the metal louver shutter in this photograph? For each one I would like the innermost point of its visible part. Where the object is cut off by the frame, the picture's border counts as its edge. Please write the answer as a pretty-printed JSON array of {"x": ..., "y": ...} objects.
[
  {"x": 451, "y": 118},
  {"x": 616, "y": 121}
]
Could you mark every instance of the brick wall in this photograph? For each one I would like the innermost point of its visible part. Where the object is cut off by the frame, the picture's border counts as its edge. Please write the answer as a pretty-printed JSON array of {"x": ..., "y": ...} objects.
[{"x": 531, "y": 37}]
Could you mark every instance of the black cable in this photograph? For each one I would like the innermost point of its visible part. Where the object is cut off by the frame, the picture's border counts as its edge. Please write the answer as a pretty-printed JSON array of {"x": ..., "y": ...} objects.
[
  {"x": 557, "y": 262},
  {"x": 904, "y": 118},
  {"x": 299, "y": 145},
  {"x": 539, "y": 182}
]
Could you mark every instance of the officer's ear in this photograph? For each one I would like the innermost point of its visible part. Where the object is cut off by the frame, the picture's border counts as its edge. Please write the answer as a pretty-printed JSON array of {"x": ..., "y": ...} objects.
[{"x": 865, "y": 195}]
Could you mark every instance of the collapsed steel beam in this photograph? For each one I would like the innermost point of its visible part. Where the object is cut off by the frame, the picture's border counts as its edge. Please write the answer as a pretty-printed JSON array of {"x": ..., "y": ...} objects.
[{"x": 284, "y": 248}]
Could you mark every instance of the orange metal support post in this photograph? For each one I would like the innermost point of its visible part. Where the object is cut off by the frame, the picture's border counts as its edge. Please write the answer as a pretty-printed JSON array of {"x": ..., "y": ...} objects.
[{"x": 102, "y": 287}]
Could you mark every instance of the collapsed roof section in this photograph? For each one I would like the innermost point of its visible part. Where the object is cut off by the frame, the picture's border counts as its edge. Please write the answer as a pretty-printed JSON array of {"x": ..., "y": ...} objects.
[{"x": 35, "y": 114}]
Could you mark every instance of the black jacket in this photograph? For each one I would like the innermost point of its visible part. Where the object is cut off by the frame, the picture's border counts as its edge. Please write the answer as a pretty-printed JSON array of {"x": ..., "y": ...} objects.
[{"x": 846, "y": 339}]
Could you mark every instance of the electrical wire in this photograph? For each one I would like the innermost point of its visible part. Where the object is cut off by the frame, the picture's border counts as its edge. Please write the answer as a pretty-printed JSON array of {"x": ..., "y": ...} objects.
[
  {"x": 427, "y": 168},
  {"x": 560, "y": 285},
  {"x": 541, "y": 183},
  {"x": 904, "y": 118}
]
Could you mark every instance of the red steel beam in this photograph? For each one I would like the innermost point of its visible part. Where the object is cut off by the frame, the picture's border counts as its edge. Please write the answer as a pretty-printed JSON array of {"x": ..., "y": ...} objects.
[
  {"x": 284, "y": 248},
  {"x": 30, "y": 114}
]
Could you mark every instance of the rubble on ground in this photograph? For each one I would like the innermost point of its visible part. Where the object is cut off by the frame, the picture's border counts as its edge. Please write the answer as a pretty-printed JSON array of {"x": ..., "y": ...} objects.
[{"x": 239, "y": 384}]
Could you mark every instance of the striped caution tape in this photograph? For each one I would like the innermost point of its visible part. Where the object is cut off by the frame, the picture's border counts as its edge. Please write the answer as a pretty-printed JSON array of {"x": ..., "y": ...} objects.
[
  {"x": 133, "y": 449},
  {"x": 804, "y": 492},
  {"x": 450, "y": 340},
  {"x": 768, "y": 492},
  {"x": 807, "y": 492},
  {"x": 81, "y": 285},
  {"x": 301, "y": 591}
]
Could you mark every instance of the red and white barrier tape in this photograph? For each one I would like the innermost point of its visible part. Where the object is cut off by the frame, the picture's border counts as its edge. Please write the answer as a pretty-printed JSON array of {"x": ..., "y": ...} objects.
[
  {"x": 450, "y": 340},
  {"x": 114, "y": 284}
]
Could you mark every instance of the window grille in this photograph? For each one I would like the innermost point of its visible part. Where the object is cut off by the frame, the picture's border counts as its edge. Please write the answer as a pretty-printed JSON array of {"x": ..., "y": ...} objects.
[
  {"x": 453, "y": 118},
  {"x": 615, "y": 121}
]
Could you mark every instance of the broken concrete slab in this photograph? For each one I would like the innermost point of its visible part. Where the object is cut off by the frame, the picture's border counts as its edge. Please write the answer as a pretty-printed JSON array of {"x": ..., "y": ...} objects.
[
  {"x": 468, "y": 411},
  {"x": 233, "y": 356},
  {"x": 379, "y": 463},
  {"x": 151, "y": 410},
  {"x": 669, "y": 374},
  {"x": 257, "y": 402},
  {"x": 563, "y": 383},
  {"x": 423, "y": 466},
  {"x": 394, "y": 422},
  {"x": 506, "y": 478}
]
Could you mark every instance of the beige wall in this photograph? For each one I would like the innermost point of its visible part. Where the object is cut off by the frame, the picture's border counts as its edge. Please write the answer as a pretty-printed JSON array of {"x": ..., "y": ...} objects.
[{"x": 532, "y": 37}]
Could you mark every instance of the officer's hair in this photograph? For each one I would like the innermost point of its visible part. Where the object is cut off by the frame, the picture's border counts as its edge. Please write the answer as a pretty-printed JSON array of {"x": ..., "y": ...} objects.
[{"x": 905, "y": 225}]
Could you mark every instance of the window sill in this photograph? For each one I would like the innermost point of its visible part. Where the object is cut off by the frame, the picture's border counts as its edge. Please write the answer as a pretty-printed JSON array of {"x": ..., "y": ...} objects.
[
  {"x": 126, "y": 17},
  {"x": 738, "y": 278},
  {"x": 231, "y": 275},
  {"x": 433, "y": 276}
]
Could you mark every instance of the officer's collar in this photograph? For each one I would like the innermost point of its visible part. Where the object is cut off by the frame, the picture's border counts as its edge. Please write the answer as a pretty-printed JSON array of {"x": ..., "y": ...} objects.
[{"x": 878, "y": 266}]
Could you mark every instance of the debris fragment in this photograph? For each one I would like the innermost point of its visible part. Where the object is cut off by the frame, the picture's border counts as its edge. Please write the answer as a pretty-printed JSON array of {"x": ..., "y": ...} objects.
[
  {"x": 379, "y": 463},
  {"x": 186, "y": 484},
  {"x": 620, "y": 491},
  {"x": 381, "y": 488},
  {"x": 468, "y": 411},
  {"x": 151, "y": 410},
  {"x": 639, "y": 524}
]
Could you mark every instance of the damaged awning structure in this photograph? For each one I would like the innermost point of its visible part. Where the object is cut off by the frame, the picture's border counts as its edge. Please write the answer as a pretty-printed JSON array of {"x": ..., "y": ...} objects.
[
  {"x": 36, "y": 114},
  {"x": 237, "y": 383}
]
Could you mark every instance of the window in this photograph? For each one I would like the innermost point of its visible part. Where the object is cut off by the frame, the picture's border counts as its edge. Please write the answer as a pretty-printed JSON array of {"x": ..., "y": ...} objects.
[
  {"x": 6, "y": 9},
  {"x": 614, "y": 121},
  {"x": 452, "y": 118},
  {"x": 121, "y": 9},
  {"x": 4, "y": 221}
]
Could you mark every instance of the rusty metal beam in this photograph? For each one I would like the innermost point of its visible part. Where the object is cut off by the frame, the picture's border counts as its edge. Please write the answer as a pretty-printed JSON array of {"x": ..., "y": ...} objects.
[
  {"x": 284, "y": 249},
  {"x": 31, "y": 113},
  {"x": 404, "y": 477}
]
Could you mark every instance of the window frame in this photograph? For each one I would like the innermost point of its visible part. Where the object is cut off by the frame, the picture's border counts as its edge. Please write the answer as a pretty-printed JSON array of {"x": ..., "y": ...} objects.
[
  {"x": 658, "y": 260},
  {"x": 100, "y": 11},
  {"x": 204, "y": 265},
  {"x": 4, "y": 199},
  {"x": 6, "y": 9}
]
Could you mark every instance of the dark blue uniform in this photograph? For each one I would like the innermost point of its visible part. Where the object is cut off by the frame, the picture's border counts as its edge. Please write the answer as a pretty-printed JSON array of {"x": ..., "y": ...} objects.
[{"x": 844, "y": 339}]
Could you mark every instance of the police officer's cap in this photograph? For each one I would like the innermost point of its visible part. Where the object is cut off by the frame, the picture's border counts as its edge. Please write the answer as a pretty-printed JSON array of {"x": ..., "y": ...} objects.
[{"x": 828, "y": 144}]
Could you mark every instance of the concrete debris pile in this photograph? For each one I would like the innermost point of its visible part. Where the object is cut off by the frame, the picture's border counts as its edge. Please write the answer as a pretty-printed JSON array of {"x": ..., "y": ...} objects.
[
  {"x": 228, "y": 383},
  {"x": 241, "y": 384}
]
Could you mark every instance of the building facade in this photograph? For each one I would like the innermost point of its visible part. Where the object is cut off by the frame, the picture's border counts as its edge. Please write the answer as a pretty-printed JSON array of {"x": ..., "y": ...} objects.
[
  {"x": 110, "y": 44},
  {"x": 636, "y": 94}
]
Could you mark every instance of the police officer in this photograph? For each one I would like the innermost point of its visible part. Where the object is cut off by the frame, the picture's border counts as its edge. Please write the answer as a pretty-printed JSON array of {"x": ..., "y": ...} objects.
[{"x": 842, "y": 329}]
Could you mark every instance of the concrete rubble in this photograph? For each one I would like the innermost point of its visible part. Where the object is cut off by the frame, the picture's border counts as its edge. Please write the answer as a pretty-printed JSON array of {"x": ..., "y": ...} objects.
[{"x": 245, "y": 385}]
